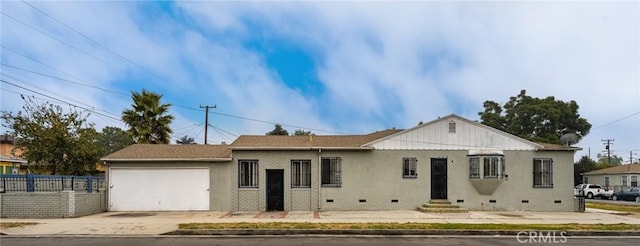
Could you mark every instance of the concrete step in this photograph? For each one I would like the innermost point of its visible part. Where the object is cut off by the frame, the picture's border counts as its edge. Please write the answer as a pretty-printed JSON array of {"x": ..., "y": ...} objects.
[
  {"x": 439, "y": 205},
  {"x": 439, "y": 201}
]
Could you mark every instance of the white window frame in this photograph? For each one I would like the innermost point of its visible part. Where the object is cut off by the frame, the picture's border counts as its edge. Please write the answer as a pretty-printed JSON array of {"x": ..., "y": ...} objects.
[
  {"x": 474, "y": 167},
  {"x": 487, "y": 167},
  {"x": 543, "y": 173},
  {"x": 300, "y": 173},
  {"x": 409, "y": 167},
  {"x": 491, "y": 167},
  {"x": 331, "y": 172},
  {"x": 624, "y": 181},
  {"x": 634, "y": 181},
  {"x": 248, "y": 173},
  {"x": 452, "y": 126}
]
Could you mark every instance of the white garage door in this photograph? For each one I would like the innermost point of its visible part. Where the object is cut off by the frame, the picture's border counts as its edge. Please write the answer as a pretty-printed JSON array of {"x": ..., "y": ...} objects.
[{"x": 158, "y": 189}]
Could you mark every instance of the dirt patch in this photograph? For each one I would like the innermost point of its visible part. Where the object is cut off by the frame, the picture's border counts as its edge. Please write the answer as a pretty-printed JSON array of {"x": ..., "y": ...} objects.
[
  {"x": 132, "y": 215},
  {"x": 512, "y": 215}
]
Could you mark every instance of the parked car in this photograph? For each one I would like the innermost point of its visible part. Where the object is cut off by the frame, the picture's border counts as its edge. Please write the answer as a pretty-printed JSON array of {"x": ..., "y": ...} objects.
[
  {"x": 592, "y": 190},
  {"x": 630, "y": 194}
]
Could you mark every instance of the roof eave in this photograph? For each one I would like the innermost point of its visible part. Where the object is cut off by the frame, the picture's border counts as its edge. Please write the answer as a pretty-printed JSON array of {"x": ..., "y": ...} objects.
[
  {"x": 167, "y": 159},
  {"x": 566, "y": 149},
  {"x": 299, "y": 148}
]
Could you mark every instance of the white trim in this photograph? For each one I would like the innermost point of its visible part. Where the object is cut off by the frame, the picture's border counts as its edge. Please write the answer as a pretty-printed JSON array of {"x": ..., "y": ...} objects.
[
  {"x": 166, "y": 159},
  {"x": 448, "y": 117}
]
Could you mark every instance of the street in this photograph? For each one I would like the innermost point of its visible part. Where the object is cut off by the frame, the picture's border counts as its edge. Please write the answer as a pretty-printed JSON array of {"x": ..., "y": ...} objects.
[
  {"x": 605, "y": 201},
  {"x": 311, "y": 240}
]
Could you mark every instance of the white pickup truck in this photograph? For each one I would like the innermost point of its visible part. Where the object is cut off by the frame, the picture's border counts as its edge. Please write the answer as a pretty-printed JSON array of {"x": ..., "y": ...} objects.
[{"x": 592, "y": 190}]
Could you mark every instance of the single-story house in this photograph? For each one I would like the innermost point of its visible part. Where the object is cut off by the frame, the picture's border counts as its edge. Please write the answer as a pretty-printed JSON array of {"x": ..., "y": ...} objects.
[
  {"x": 451, "y": 158},
  {"x": 10, "y": 164},
  {"x": 616, "y": 178}
]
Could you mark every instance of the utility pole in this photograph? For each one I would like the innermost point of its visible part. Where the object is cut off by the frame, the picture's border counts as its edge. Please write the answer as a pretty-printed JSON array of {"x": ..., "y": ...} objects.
[
  {"x": 608, "y": 148},
  {"x": 206, "y": 120}
]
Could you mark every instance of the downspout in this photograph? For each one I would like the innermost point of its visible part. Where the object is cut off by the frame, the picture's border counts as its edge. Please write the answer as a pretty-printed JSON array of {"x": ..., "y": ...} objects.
[{"x": 319, "y": 177}]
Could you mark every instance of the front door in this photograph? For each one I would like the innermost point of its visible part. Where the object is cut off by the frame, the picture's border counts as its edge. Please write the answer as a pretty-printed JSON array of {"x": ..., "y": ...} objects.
[
  {"x": 438, "y": 178},
  {"x": 275, "y": 190}
]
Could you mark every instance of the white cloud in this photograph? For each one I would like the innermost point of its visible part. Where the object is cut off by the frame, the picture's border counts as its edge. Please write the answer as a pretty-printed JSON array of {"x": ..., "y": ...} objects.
[{"x": 380, "y": 64}]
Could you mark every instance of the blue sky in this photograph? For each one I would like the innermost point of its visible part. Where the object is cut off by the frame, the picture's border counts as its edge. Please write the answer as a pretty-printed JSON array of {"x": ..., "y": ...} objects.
[{"x": 329, "y": 67}]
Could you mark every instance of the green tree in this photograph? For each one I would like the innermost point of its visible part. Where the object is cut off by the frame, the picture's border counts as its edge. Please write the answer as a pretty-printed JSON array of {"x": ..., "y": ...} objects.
[
  {"x": 113, "y": 139},
  {"x": 148, "y": 120},
  {"x": 278, "y": 130},
  {"x": 535, "y": 119},
  {"x": 52, "y": 139},
  {"x": 585, "y": 164},
  {"x": 186, "y": 140},
  {"x": 603, "y": 161},
  {"x": 300, "y": 132}
]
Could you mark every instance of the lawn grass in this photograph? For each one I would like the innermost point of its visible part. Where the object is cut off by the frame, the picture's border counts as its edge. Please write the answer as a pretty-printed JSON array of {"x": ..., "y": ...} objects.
[
  {"x": 408, "y": 226},
  {"x": 4, "y": 225},
  {"x": 614, "y": 207}
]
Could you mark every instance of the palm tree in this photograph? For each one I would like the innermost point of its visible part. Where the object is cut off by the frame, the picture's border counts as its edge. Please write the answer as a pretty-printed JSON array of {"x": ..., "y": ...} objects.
[
  {"x": 186, "y": 140},
  {"x": 148, "y": 120}
]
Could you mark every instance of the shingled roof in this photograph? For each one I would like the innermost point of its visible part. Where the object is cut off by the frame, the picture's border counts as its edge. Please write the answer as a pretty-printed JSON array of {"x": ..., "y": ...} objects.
[
  {"x": 629, "y": 168},
  {"x": 168, "y": 152},
  {"x": 309, "y": 141}
]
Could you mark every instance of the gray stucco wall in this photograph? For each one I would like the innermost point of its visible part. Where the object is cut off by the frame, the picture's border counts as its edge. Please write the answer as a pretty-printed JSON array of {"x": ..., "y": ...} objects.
[
  {"x": 51, "y": 204},
  {"x": 220, "y": 179},
  {"x": 372, "y": 180},
  {"x": 516, "y": 192}
]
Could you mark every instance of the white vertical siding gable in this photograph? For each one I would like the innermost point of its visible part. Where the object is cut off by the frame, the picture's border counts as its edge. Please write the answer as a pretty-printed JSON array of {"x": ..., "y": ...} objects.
[{"x": 468, "y": 135}]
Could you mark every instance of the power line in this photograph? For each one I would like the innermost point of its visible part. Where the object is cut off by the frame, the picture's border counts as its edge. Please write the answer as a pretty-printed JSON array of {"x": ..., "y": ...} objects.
[
  {"x": 86, "y": 83},
  {"x": 53, "y": 98},
  {"x": 94, "y": 41},
  {"x": 63, "y": 79},
  {"x": 180, "y": 106},
  {"x": 623, "y": 118},
  {"x": 57, "y": 39},
  {"x": 47, "y": 90}
]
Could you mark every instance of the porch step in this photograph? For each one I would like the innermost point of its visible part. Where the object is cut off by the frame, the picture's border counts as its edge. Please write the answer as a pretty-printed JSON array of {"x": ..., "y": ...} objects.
[
  {"x": 439, "y": 201},
  {"x": 441, "y": 206}
]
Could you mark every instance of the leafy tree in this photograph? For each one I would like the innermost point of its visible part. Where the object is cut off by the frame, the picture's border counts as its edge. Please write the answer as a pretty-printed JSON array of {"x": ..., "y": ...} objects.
[
  {"x": 54, "y": 140},
  {"x": 585, "y": 164},
  {"x": 278, "y": 130},
  {"x": 300, "y": 132},
  {"x": 113, "y": 139},
  {"x": 148, "y": 120},
  {"x": 186, "y": 140},
  {"x": 535, "y": 119}
]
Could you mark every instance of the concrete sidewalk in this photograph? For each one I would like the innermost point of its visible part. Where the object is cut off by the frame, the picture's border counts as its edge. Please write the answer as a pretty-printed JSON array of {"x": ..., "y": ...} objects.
[{"x": 156, "y": 223}]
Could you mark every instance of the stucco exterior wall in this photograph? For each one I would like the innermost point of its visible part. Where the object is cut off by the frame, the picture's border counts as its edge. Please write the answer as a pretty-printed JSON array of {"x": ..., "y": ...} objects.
[
  {"x": 615, "y": 180},
  {"x": 515, "y": 192},
  {"x": 372, "y": 180},
  {"x": 219, "y": 175}
]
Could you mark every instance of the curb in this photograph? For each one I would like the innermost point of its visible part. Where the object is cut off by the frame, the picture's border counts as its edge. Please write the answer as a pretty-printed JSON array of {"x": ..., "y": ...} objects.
[{"x": 386, "y": 232}]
